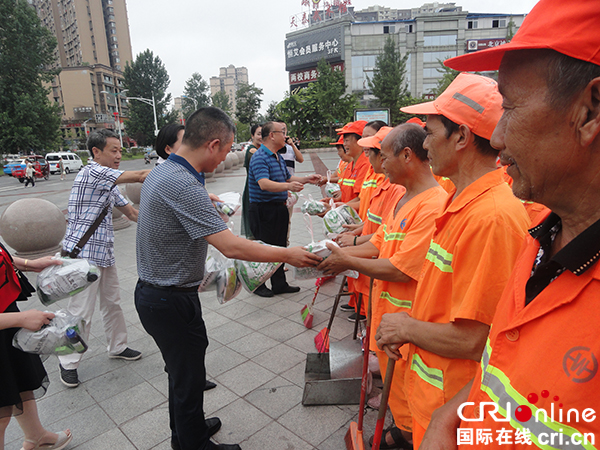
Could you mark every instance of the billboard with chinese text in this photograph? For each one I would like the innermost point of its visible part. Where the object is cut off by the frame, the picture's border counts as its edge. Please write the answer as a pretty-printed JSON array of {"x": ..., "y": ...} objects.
[
  {"x": 310, "y": 74},
  {"x": 306, "y": 49}
]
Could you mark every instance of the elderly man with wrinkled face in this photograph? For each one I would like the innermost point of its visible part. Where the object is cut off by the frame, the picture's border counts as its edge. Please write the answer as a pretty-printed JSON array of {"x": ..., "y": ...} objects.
[{"x": 538, "y": 384}]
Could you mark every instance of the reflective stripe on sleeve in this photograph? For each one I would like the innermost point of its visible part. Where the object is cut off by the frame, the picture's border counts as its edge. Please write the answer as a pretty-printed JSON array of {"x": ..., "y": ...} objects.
[
  {"x": 439, "y": 257},
  {"x": 374, "y": 218},
  {"x": 433, "y": 376},
  {"x": 392, "y": 236},
  {"x": 396, "y": 301}
]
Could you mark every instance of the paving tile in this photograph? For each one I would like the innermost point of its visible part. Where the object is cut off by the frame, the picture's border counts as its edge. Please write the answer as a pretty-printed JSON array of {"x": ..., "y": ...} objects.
[
  {"x": 229, "y": 332},
  {"x": 138, "y": 400},
  {"x": 240, "y": 420},
  {"x": 111, "y": 440},
  {"x": 283, "y": 329},
  {"x": 253, "y": 344},
  {"x": 236, "y": 309},
  {"x": 149, "y": 429},
  {"x": 225, "y": 359},
  {"x": 280, "y": 358},
  {"x": 307, "y": 421},
  {"x": 276, "y": 397},
  {"x": 63, "y": 403},
  {"x": 245, "y": 377},
  {"x": 276, "y": 437},
  {"x": 296, "y": 374},
  {"x": 284, "y": 307},
  {"x": 112, "y": 383},
  {"x": 217, "y": 398},
  {"x": 259, "y": 319},
  {"x": 213, "y": 320}
]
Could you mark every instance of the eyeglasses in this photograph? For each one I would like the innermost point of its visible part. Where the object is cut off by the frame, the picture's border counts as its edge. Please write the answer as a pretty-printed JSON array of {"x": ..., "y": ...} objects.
[{"x": 278, "y": 131}]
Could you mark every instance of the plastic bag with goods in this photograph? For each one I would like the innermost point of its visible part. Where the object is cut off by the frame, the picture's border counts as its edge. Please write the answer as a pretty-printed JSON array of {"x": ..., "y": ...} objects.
[
  {"x": 215, "y": 262},
  {"x": 292, "y": 199},
  {"x": 62, "y": 336},
  {"x": 331, "y": 189},
  {"x": 336, "y": 217},
  {"x": 253, "y": 274},
  {"x": 312, "y": 206},
  {"x": 229, "y": 204},
  {"x": 227, "y": 282},
  {"x": 61, "y": 281}
]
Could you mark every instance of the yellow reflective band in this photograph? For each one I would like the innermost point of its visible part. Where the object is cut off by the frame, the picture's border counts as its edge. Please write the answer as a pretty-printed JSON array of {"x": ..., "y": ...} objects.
[
  {"x": 392, "y": 236},
  {"x": 439, "y": 257},
  {"x": 369, "y": 184},
  {"x": 349, "y": 182},
  {"x": 396, "y": 301},
  {"x": 374, "y": 218},
  {"x": 497, "y": 386},
  {"x": 435, "y": 377}
]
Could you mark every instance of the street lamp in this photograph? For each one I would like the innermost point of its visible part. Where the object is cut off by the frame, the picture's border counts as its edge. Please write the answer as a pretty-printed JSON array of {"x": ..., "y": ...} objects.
[
  {"x": 192, "y": 99},
  {"x": 151, "y": 102},
  {"x": 118, "y": 100}
]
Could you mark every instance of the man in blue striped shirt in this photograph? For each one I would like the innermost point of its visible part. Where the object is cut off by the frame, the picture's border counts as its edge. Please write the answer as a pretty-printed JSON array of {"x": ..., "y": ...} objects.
[{"x": 268, "y": 183}]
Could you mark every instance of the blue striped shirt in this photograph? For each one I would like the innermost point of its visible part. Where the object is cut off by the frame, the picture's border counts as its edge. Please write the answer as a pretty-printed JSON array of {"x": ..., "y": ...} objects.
[
  {"x": 265, "y": 164},
  {"x": 91, "y": 192}
]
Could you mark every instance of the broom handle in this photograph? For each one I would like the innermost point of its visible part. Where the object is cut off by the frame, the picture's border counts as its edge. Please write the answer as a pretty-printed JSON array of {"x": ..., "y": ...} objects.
[
  {"x": 363, "y": 383},
  {"x": 333, "y": 310},
  {"x": 389, "y": 373}
]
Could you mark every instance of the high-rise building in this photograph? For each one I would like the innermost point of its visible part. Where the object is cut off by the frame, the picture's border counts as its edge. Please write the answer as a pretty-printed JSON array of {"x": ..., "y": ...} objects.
[
  {"x": 228, "y": 81},
  {"x": 93, "y": 47}
]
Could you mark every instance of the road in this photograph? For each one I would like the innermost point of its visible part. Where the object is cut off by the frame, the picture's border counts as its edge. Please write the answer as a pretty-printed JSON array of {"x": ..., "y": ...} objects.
[{"x": 53, "y": 189}]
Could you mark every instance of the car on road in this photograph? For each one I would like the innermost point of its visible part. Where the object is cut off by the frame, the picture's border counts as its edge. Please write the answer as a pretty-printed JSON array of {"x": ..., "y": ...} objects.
[
  {"x": 71, "y": 161},
  {"x": 40, "y": 166}
]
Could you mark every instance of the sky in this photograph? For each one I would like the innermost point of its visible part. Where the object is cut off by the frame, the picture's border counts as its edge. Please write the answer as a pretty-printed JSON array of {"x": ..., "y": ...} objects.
[{"x": 202, "y": 36}]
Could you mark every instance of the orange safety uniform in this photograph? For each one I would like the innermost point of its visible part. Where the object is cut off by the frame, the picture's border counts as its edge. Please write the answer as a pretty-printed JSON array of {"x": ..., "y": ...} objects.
[
  {"x": 444, "y": 182},
  {"x": 544, "y": 356},
  {"x": 370, "y": 183},
  {"x": 470, "y": 258},
  {"x": 384, "y": 195},
  {"x": 353, "y": 177},
  {"x": 403, "y": 239},
  {"x": 534, "y": 210}
]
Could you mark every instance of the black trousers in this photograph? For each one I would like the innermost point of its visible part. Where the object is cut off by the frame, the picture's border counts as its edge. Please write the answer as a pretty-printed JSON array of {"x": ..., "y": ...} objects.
[
  {"x": 174, "y": 320},
  {"x": 269, "y": 223}
]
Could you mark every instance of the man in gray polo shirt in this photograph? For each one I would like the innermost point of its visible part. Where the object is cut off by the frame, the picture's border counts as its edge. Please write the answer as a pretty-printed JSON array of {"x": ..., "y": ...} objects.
[{"x": 171, "y": 266}]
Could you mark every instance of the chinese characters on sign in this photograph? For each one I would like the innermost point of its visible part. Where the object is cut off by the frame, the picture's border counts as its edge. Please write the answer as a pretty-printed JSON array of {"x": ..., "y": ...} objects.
[
  {"x": 310, "y": 75},
  {"x": 465, "y": 436},
  {"x": 321, "y": 11},
  {"x": 308, "y": 48},
  {"x": 474, "y": 45},
  {"x": 327, "y": 48}
]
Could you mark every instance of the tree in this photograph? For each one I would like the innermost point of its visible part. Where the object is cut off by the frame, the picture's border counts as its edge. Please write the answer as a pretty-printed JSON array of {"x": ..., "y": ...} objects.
[
  {"x": 221, "y": 100},
  {"x": 195, "y": 88},
  {"x": 28, "y": 120},
  {"x": 448, "y": 76},
  {"x": 145, "y": 77},
  {"x": 335, "y": 105},
  {"x": 247, "y": 102},
  {"x": 388, "y": 83},
  {"x": 272, "y": 113}
]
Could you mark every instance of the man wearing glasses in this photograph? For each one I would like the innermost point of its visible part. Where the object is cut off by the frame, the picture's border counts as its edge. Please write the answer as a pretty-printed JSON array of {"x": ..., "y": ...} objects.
[{"x": 268, "y": 183}]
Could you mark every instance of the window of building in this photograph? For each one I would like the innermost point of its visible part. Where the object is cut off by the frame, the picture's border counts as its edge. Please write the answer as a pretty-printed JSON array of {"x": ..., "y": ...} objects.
[
  {"x": 471, "y": 24},
  {"x": 445, "y": 39},
  {"x": 429, "y": 57},
  {"x": 495, "y": 23},
  {"x": 409, "y": 28},
  {"x": 362, "y": 69},
  {"x": 386, "y": 29}
]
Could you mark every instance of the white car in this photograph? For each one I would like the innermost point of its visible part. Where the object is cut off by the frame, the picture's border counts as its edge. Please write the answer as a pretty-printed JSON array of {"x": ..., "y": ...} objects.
[{"x": 71, "y": 161}]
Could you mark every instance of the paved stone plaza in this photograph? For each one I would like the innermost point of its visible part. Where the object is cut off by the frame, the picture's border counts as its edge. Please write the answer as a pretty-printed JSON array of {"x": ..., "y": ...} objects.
[{"x": 257, "y": 357}]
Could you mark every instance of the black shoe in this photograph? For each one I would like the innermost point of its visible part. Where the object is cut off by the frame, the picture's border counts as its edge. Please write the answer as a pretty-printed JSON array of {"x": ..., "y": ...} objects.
[
  {"x": 263, "y": 291},
  {"x": 128, "y": 354},
  {"x": 347, "y": 307},
  {"x": 287, "y": 290},
  {"x": 209, "y": 385},
  {"x": 361, "y": 318},
  {"x": 69, "y": 377},
  {"x": 399, "y": 441},
  {"x": 213, "y": 424}
]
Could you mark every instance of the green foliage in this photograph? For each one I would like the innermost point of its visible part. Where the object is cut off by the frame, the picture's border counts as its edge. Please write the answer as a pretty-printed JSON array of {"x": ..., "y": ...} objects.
[
  {"x": 195, "y": 88},
  {"x": 448, "y": 76},
  {"x": 388, "y": 83},
  {"x": 242, "y": 131},
  {"x": 272, "y": 113},
  {"x": 247, "y": 103},
  {"x": 510, "y": 30},
  {"x": 28, "y": 120},
  {"x": 221, "y": 100},
  {"x": 145, "y": 77},
  {"x": 317, "y": 109},
  {"x": 408, "y": 101}
]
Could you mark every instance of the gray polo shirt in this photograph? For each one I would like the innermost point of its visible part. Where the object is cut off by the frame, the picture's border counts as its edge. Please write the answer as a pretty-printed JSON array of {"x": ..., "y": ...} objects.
[{"x": 175, "y": 216}]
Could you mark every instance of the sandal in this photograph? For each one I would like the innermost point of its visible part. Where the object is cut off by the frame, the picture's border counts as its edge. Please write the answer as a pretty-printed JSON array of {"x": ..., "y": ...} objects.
[
  {"x": 64, "y": 437},
  {"x": 400, "y": 443}
]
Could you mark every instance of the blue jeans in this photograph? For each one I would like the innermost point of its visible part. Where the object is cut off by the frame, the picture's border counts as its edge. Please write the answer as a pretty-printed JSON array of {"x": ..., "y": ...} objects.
[{"x": 174, "y": 320}]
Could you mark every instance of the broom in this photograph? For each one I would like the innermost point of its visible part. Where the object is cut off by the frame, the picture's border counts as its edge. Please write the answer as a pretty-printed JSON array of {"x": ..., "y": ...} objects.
[
  {"x": 306, "y": 311},
  {"x": 354, "y": 437},
  {"x": 322, "y": 338},
  {"x": 389, "y": 373}
]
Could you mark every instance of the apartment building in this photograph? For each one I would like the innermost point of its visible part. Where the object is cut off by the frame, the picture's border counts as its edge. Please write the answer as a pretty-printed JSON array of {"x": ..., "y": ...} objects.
[{"x": 228, "y": 81}]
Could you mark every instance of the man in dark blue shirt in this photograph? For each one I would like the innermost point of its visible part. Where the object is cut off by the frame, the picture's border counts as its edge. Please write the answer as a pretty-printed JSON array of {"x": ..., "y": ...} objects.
[{"x": 268, "y": 183}]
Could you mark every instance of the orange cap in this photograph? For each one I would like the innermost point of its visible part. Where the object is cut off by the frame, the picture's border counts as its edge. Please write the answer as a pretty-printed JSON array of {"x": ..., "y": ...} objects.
[
  {"x": 340, "y": 141},
  {"x": 472, "y": 100},
  {"x": 353, "y": 128},
  {"x": 417, "y": 121},
  {"x": 375, "y": 140},
  {"x": 566, "y": 27}
]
